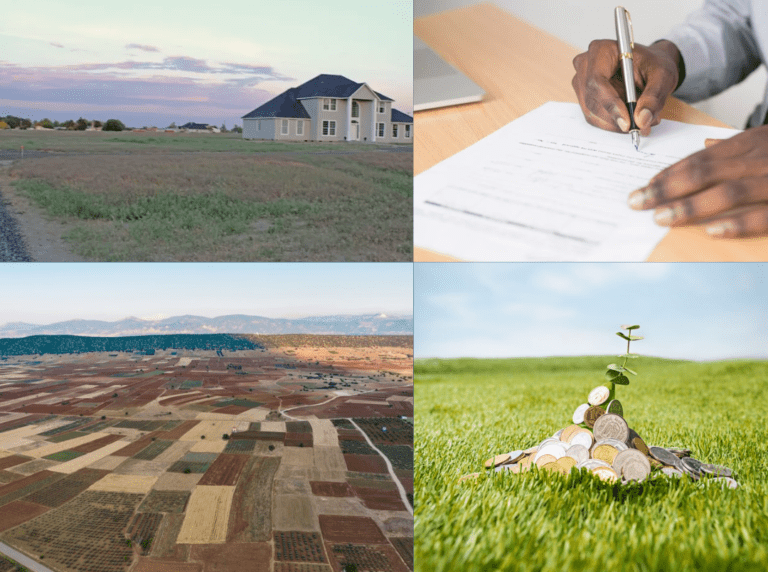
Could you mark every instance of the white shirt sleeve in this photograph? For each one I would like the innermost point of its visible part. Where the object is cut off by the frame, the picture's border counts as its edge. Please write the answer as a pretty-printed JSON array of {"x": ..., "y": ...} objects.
[{"x": 718, "y": 46}]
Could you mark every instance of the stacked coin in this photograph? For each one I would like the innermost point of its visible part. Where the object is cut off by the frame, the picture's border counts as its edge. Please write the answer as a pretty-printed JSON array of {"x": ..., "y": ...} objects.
[{"x": 601, "y": 441}]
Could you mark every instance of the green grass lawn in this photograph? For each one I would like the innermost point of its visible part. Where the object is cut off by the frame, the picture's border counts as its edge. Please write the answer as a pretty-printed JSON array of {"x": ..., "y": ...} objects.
[
  {"x": 468, "y": 410},
  {"x": 216, "y": 197}
]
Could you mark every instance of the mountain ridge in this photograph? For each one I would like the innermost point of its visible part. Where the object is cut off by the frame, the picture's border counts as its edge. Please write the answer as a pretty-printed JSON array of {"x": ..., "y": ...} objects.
[{"x": 338, "y": 324}]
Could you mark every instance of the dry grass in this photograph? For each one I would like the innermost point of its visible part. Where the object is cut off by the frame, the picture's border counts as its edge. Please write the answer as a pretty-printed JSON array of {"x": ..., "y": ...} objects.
[
  {"x": 125, "y": 483},
  {"x": 203, "y": 206},
  {"x": 207, "y": 515}
]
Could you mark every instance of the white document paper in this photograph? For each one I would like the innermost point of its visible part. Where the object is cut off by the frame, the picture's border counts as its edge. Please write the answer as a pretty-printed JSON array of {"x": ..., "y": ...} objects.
[{"x": 549, "y": 187}]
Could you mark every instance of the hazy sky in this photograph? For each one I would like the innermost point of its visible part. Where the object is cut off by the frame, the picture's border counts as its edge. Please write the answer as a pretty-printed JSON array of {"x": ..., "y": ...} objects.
[
  {"x": 45, "y": 293},
  {"x": 150, "y": 62},
  {"x": 689, "y": 311}
]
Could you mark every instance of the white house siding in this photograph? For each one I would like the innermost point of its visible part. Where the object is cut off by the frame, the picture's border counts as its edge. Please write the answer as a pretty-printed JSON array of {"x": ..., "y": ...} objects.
[
  {"x": 313, "y": 129},
  {"x": 339, "y": 116},
  {"x": 292, "y": 125},
  {"x": 251, "y": 131}
]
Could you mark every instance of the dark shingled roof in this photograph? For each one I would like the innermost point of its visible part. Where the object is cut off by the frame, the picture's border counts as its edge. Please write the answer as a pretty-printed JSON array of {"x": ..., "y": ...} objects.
[
  {"x": 324, "y": 85},
  {"x": 284, "y": 105},
  {"x": 400, "y": 117}
]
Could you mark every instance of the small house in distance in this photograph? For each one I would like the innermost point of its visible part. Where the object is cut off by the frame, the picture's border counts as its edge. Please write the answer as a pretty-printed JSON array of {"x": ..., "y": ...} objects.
[
  {"x": 329, "y": 108},
  {"x": 198, "y": 127}
]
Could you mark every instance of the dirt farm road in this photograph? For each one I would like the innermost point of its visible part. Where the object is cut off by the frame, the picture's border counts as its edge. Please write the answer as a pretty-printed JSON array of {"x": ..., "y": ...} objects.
[{"x": 23, "y": 560}]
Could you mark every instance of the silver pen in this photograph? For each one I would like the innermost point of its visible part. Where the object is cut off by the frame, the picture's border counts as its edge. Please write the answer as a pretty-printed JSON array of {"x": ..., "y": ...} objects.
[{"x": 626, "y": 40}]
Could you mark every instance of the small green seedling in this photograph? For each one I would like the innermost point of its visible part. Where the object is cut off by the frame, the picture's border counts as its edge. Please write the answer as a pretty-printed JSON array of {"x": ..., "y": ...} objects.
[{"x": 615, "y": 374}]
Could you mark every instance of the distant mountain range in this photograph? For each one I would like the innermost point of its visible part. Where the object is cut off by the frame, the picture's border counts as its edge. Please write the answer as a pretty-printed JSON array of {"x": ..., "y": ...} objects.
[{"x": 343, "y": 325}]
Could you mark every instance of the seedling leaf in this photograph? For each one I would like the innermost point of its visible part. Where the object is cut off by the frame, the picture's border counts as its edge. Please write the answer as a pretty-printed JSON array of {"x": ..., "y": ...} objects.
[
  {"x": 622, "y": 335},
  {"x": 629, "y": 327},
  {"x": 622, "y": 380}
]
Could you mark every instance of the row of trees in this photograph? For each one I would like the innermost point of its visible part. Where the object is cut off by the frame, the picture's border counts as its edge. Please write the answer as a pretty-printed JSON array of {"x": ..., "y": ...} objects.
[{"x": 81, "y": 124}]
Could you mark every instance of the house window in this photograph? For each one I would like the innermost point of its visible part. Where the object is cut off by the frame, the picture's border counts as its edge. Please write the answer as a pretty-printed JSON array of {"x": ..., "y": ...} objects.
[
  {"x": 355, "y": 109},
  {"x": 329, "y": 128},
  {"x": 381, "y": 107},
  {"x": 394, "y": 130},
  {"x": 407, "y": 131},
  {"x": 329, "y": 104},
  {"x": 299, "y": 127},
  {"x": 381, "y": 130},
  {"x": 284, "y": 127}
]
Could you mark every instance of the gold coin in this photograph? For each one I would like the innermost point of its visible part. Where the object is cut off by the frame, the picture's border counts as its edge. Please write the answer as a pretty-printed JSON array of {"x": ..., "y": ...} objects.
[
  {"x": 531, "y": 450},
  {"x": 567, "y": 462},
  {"x": 567, "y": 432},
  {"x": 605, "y": 453},
  {"x": 593, "y": 414},
  {"x": 640, "y": 445},
  {"x": 552, "y": 466},
  {"x": 526, "y": 462},
  {"x": 469, "y": 476},
  {"x": 544, "y": 459},
  {"x": 497, "y": 460},
  {"x": 654, "y": 463},
  {"x": 514, "y": 468},
  {"x": 605, "y": 473}
]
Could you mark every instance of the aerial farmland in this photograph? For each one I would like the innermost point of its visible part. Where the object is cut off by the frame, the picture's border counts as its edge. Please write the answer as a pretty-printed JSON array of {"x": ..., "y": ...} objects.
[{"x": 293, "y": 455}]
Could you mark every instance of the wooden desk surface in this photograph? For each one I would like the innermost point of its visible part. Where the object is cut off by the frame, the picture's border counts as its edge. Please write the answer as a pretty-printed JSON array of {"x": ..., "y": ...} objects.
[{"x": 520, "y": 68}]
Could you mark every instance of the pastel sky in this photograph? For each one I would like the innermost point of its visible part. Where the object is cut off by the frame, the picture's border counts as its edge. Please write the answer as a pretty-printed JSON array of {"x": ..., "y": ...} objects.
[
  {"x": 150, "y": 63},
  {"x": 46, "y": 293},
  {"x": 686, "y": 311}
]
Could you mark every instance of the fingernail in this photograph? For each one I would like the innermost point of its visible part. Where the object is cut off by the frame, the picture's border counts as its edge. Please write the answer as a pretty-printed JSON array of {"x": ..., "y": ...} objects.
[
  {"x": 664, "y": 217},
  {"x": 639, "y": 198},
  {"x": 719, "y": 229},
  {"x": 645, "y": 117},
  {"x": 622, "y": 123}
]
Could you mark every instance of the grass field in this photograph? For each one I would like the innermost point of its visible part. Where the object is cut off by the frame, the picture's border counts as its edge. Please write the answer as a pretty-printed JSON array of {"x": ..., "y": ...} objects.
[
  {"x": 158, "y": 197},
  {"x": 469, "y": 410}
]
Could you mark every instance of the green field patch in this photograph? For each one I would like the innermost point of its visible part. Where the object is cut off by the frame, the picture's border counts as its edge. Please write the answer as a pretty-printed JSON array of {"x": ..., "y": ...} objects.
[
  {"x": 151, "y": 451},
  {"x": 64, "y": 456},
  {"x": 190, "y": 383},
  {"x": 66, "y": 436},
  {"x": 239, "y": 403},
  {"x": 470, "y": 410}
]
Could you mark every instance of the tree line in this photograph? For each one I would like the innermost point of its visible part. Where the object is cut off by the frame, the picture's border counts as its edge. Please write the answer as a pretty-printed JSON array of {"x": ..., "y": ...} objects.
[{"x": 13, "y": 122}]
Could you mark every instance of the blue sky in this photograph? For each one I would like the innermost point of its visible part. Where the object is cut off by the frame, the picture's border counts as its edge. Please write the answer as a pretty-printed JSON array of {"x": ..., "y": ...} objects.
[
  {"x": 46, "y": 293},
  {"x": 689, "y": 311},
  {"x": 150, "y": 63}
]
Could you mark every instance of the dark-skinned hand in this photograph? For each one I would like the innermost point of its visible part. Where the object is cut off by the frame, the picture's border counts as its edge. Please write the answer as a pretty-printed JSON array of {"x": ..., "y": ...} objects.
[{"x": 724, "y": 187}]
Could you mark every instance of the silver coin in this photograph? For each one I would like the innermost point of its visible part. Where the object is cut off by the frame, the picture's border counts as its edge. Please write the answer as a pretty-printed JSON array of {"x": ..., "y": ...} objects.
[
  {"x": 583, "y": 438},
  {"x": 632, "y": 465},
  {"x": 511, "y": 467},
  {"x": 578, "y": 452},
  {"x": 664, "y": 456},
  {"x": 547, "y": 441},
  {"x": 615, "y": 443},
  {"x": 727, "y": 482},
  {"x": 672, "y": 472},
  {"x": 614, "y": 406},
  {"x": 557, "y": 450},
  {"x": 691, "y": 464},
  {"x": 557, "y": 434},
  {"x": 599, "y": 395},
  {"x": 716, "y": 470},
  {"x": 611, "y": 426},
  {"x": 679, "y": 452},
  {"x": 593, "y": 463},
  {"x": 578, "y": 415}
]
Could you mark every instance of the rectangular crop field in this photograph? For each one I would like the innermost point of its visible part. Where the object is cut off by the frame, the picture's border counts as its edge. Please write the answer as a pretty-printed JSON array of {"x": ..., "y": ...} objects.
[
  {"x": 165, "y": 501},
  {"x": 88, "y": 459},
  {"x": 207, "y": 515},
  {"x": 124, "y": 484},
  {"x": 211, "y": 430},
  {"x": 251, "y": 517},
  {"x": 67, "y": 488},
  {"x": 224, "y": 471},
  {"x": 151, "y": 451},
  {"x": 63, "y": 456},
  {"x": 191, "y": 383}
]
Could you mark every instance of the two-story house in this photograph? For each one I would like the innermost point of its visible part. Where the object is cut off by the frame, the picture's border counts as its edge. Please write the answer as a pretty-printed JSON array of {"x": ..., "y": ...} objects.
[{"x": 329, "y": 108}]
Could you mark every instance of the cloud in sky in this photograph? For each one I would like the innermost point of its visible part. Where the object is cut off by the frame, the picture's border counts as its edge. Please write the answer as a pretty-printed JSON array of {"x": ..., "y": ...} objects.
[
  {"x": 142, "y": 47},
  {"x": 688, "y": 311},
  {"x": 56, "y": 45}
]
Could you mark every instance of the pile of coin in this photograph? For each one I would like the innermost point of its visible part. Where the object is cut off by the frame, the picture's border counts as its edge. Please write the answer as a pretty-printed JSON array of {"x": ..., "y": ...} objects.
[{"x": 600, "y": 441}]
